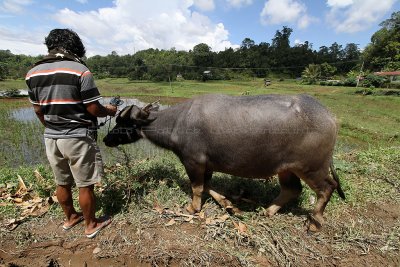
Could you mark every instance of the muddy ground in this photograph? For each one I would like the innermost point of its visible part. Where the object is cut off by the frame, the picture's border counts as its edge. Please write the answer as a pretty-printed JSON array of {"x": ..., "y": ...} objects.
[{"x": 354, "y": 236}]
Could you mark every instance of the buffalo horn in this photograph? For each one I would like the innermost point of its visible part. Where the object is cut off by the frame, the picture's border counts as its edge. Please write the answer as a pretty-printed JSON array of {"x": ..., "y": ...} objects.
[
  {"x": 126, "y": 112},
  {"x": 148, "y": 107}
]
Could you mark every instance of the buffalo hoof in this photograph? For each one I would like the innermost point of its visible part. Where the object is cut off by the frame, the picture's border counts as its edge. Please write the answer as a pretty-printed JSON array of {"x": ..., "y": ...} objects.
[
  {"x": 233, "y": 210},
  {"x": 313, "y": 224},
  {"x": 191, "y": 209},
  {"x": 271, "y": 210}
]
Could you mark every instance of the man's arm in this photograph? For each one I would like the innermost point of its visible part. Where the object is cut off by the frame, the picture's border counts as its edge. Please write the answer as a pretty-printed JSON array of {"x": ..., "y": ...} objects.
[
  {"x": 98, "y": 110},
  {"x": 39, "y": 113}
]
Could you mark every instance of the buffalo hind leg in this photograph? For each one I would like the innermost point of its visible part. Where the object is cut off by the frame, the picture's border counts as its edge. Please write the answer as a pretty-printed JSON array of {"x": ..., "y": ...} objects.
[
  {"x": 323, "y": 186},
  {"x": 290, "y": 189}
]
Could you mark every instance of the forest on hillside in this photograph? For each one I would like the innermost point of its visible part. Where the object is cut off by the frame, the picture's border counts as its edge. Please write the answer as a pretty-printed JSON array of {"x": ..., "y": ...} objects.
[{"x": 263, "y": 60}]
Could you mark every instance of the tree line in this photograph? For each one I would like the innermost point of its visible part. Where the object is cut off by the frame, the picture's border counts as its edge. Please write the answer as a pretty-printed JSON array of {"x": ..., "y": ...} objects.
[{"x": 262, "y": 60}]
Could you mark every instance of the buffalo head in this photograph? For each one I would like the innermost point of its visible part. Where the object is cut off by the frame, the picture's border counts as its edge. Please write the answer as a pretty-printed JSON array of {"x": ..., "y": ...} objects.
[{"x": 128, "y": 125}]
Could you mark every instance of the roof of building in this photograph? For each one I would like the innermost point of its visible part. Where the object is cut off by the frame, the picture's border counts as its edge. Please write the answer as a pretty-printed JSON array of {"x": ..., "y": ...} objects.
[{"x": 388, "y": 73}]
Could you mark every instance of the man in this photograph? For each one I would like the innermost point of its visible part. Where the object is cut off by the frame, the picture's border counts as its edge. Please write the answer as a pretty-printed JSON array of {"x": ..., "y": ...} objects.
[{"x": 65, "y": 99}]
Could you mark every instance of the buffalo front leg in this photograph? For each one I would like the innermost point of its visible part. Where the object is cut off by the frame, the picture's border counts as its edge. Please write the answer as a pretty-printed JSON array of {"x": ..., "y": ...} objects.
[
  {"x": 196, "y": 175},
  {"x": 290, "y": 189},
  {"x": 221, "y": 199}
]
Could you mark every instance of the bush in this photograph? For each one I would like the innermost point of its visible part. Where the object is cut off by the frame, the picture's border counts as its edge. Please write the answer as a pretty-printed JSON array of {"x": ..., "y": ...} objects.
[
  {"x": 351, "y": 82},
  {"x": 373, "y": 80},
  {"x": 366, "y": 91}
]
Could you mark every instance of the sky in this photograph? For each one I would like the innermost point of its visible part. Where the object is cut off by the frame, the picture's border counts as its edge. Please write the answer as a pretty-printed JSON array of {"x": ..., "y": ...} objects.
[{"x": 127, "y": 26}]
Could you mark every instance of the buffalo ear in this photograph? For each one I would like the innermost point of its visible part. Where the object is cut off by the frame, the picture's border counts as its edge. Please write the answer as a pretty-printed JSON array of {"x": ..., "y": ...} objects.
[{"x": 138, "y": 114}]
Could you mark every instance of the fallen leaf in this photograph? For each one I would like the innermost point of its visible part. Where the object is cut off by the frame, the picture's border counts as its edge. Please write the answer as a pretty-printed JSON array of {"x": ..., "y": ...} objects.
[
  {"x": 170, "y": 223},
  {"x": 223, "y": 218},
  {"x": 21, "y": 185},
  {"x": 17, "y": 200},
  {"x": 12, "y": 224},
  {"x": 158, "y": 208},
  {"x": 209, "y": 221},
  {"x": 240, "y": 227},
  {"x": 38, "y": 175},
  {"x": 96, "y": 250},
  {"x": 202, "y": 215}
]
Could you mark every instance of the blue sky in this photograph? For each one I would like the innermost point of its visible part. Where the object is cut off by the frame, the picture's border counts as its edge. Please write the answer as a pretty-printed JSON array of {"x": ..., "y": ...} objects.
[{"x": 126, "y": 26}]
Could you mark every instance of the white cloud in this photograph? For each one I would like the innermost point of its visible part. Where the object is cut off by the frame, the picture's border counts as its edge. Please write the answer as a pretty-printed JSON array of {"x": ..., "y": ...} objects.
[
  {"x": 132, "y": 25},
  {"x": 286, "y": 11},
  {"x": 82, "y": 1},
  {"x": 14, "y": 6},
  {"x": 359, "y": 15},
  {"x": 205, "y": 5},
  {"x": 339, "y": 3},
  {"x": 298, "y": 42},
  {"x": 22, "y": 42},
  {"x": 305, "y": 20},
  {"x": 239, "y": 3}
]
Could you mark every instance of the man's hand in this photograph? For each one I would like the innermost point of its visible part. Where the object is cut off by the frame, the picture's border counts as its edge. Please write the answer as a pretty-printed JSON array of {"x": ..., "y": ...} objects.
[
  {"x": 39, "y": 113},
  {"x": 98, "y": 110},
  {"x": 112, "y": 110}
]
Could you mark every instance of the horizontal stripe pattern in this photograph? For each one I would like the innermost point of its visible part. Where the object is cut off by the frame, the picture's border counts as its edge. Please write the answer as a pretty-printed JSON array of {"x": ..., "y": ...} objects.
[
  {"x": 55, "y": 71},
  {"x": 62, "y": 89}
]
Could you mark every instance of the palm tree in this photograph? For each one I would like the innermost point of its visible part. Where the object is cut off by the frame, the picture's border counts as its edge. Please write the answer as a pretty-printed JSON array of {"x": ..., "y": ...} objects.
[{"x": 311, "y": 73}]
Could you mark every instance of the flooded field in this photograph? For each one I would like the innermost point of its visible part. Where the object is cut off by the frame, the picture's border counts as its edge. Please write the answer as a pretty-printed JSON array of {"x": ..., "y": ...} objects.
[{"x": 22, "y": 141}]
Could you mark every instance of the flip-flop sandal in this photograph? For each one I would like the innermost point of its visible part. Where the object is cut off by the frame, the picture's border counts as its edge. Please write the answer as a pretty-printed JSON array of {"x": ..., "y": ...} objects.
[
  {"x": 99, "y": 228},
  {"x": 66, "y": 228}
]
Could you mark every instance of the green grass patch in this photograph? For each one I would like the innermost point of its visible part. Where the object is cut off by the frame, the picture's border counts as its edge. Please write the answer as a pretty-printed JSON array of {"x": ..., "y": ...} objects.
[{"x": 368, "y": 133}]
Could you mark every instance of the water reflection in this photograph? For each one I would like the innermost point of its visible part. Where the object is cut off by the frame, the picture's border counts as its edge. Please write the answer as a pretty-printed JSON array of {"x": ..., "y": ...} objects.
[
  {"x": 23, "y": 114},
  {"x": 26, "y": 114},
  {"x": 29, "y": 146}
]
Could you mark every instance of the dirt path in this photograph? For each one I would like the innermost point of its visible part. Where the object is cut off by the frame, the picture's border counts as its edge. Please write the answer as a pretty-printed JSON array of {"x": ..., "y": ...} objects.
[{"x": 365, "y": 236}]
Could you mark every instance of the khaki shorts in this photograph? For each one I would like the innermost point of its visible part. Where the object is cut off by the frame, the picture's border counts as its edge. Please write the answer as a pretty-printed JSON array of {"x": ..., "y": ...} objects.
[{"x": 75, "y": 159}]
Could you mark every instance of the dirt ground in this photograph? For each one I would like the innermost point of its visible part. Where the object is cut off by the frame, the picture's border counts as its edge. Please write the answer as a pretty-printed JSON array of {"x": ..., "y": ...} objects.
[{"x": 362, "y": 236}]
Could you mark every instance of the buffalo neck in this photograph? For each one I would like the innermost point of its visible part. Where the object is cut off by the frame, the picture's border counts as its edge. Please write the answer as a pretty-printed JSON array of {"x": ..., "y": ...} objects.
[{"x": 160, "y": 130}]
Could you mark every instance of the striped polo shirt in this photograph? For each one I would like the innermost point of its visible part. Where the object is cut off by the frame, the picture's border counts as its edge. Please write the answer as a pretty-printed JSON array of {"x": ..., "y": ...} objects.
[{"x": 62, "y": 88}]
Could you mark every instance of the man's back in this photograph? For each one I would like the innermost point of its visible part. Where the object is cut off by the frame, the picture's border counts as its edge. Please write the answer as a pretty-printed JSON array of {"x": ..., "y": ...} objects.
[{"x": 62, "y": 88}]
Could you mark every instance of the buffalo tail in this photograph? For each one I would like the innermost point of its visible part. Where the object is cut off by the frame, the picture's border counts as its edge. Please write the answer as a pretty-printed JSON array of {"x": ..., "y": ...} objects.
[{"x": 336, "y": 177}]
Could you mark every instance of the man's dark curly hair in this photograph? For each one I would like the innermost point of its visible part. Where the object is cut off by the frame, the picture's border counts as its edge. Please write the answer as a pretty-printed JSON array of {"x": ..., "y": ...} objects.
[{"x": 65, "y": 39}]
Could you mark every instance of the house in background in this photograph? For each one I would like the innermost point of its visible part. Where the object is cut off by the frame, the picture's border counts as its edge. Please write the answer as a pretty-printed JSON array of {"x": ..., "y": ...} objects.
[{"x": 392, "y": 76}]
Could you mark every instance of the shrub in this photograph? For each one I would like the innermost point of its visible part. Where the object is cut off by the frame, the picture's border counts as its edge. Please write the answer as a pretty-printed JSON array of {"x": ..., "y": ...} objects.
[
  {"x": 373, "y": 80},
  {"x": 352, "y": 82}
]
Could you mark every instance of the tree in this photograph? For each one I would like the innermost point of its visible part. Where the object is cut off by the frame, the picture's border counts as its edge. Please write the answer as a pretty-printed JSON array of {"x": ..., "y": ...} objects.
[
  {"x": 385, "y": 44},
  {"x": 281, "y": 48},
  {"x": 202, "y": 55},
  {"x": 311, "y": 74},
  {"x": 247, "y": 43},
  {"x": 3, "y": 71},
  {"x": 323, "y": 54},
  {"x": 335, "y": 52},
  {"x": 327, "y": 71},
  {"x": 281, "y": 39},
  {"x": 138, "y": 70}
]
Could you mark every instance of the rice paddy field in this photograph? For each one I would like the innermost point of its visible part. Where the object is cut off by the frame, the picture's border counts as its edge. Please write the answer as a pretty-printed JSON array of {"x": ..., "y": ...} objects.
[{"x": 146, "y": 190}]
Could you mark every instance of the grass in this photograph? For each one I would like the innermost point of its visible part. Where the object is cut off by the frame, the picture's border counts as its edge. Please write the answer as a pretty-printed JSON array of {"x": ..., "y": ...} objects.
[{"x": 141, "y": 179}]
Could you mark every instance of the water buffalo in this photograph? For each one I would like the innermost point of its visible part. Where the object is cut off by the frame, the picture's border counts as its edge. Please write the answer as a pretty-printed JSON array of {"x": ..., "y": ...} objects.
[{"x": 247, "y": 136}]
